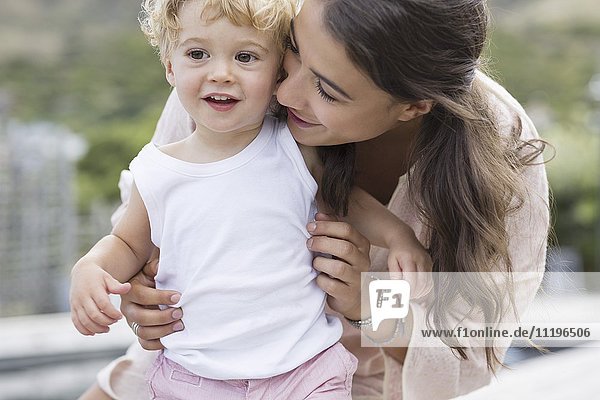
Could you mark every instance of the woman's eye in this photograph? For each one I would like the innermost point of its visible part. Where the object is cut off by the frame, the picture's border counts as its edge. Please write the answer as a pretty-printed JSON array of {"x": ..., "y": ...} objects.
[
  {"x": 245, "y": 57},
  {"x": 198, "y": 54},
  {"x": 324, "y": 95}
]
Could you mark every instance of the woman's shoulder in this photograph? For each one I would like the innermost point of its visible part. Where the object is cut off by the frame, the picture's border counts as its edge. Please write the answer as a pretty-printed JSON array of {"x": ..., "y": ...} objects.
[{"x": 507, "y": 108}]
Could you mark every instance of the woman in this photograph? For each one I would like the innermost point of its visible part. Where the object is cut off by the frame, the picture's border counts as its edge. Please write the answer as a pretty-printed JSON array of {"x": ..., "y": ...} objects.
[{"x": 449, "y": 151}]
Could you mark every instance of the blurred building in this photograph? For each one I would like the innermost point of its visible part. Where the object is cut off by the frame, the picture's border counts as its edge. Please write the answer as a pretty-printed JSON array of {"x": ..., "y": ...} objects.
[{"x": 37, "y": 215}]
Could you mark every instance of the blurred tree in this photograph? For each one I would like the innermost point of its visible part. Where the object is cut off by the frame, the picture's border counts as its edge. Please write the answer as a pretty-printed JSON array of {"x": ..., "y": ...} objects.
[
  {"x": 106, "y": 83},
  {"x": 551, "y": 70}
]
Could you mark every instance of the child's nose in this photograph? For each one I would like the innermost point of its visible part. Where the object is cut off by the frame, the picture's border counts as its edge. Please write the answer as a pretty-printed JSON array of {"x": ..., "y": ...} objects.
[{"x": 221, "y": 72}]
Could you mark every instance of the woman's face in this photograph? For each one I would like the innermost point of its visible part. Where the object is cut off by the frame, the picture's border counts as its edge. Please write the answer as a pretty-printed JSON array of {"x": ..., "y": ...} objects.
[{"x": 329, "y": 100}]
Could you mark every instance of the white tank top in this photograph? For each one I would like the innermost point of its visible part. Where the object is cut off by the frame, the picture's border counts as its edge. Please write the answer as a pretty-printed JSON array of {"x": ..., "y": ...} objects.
[{"x": 232, "y": 238}]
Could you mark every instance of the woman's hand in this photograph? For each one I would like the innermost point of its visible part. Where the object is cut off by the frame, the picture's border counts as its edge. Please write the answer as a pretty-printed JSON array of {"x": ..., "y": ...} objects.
[
  {"x": 339, "y": 276},
  {"x": 140, "y": 305}
]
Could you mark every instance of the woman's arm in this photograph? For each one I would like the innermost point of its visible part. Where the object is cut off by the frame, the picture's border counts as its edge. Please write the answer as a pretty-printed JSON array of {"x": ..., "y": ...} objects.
[
  {"x": 141, "y": 305},
  {"x": 377, "y": 223},
  {"x": 407, "y": 259}
]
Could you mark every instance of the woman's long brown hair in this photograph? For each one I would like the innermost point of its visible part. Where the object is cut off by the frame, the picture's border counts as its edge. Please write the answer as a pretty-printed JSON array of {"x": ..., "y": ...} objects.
[{"x": 465, "y": 178}]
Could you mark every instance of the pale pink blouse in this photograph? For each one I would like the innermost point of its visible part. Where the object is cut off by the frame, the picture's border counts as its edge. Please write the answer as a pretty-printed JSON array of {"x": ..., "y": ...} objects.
[{"x": 428, "y": 373}]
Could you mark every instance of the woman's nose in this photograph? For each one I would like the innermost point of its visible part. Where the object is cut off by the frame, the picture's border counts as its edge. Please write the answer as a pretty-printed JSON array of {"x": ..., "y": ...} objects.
[{"x": 290, "y": 92}]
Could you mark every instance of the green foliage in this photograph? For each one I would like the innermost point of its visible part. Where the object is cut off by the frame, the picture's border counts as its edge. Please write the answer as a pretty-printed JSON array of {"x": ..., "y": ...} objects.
[
  {"x": 573, "y": 176},
  {"x": 112, "y": 146},
  {"x": 116, "y": 78},
  {"x": 110, "y": 91},
  {"x": 535, "y": 69},
  {"x": 553, "y": 68},
  {"x": 108, "y": 85}
]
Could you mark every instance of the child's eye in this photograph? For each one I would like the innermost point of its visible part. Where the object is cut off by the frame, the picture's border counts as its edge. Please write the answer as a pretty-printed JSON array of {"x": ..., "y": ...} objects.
[
  {"x": 197, "y": 54},
  {"x": 245, "y": 57}
]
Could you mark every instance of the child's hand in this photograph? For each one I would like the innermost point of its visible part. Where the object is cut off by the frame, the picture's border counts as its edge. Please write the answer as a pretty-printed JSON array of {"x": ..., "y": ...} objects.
[
  {"x": 410, "y": 261},
  {"x": 91, "y": 309}
]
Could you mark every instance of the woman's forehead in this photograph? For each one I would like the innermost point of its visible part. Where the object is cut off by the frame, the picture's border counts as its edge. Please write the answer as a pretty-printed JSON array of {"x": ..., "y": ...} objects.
[{"x": 325, "y": 55}]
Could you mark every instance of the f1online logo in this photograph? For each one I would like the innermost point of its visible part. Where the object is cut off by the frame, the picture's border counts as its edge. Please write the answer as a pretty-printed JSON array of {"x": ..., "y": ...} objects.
[{"x": 388, "y": 300}]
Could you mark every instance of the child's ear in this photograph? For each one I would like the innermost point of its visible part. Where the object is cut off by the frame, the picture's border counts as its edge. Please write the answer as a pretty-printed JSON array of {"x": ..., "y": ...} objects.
[
  {"x": 411, "y": 111},
  {"x": 169, "y": 73}
]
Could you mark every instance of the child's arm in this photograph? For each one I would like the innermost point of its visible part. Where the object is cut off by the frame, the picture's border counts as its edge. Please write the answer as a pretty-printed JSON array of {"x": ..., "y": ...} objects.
[{"x": 116, "y": 257}]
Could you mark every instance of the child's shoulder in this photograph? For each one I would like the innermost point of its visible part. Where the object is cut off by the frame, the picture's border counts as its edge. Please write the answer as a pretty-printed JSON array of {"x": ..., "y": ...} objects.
[
  {"x": 312, "y": 160},
  {"x": 174, "y": 150}
]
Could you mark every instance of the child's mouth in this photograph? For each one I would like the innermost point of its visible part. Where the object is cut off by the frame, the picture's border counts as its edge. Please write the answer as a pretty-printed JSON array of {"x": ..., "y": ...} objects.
[
  {"x": 220, "y": 99},
  {"x": 221, "y": 103}
]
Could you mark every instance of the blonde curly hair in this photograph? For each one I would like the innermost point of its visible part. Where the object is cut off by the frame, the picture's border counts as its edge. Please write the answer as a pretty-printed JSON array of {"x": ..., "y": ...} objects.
[{"x": 160, "y": 23}]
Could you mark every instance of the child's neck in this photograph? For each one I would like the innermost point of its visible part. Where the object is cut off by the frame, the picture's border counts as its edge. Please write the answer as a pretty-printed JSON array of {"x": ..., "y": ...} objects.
[{"x": 205, "y": 146}]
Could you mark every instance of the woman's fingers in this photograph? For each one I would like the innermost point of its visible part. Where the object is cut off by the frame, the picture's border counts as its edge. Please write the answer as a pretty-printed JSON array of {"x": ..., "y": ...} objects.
[
  {"x": 335, "y": 268},
  {"x": 340, "y": 274},
  {"x": 341, "y": 249},
  {"x": 334, "y": 288},
  {"x": 340, "y": 240},
  {"x": 140, "y": 305},
  {"x": 159, "y": 325},
  {"x": 342, "y": 298},
  {"x": 149, "y": 296},
  {"x": 326, "y": 225},
  {"x": 152, "y": 316},
  {"x": 151, "y": 344},
  {"x": 150, "y": 333}
]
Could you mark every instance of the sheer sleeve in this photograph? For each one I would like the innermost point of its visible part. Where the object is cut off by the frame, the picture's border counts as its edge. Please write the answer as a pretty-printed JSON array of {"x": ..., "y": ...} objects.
[
  {"x": 173, "y": 125},
  {"x": 436, "y": 372}
]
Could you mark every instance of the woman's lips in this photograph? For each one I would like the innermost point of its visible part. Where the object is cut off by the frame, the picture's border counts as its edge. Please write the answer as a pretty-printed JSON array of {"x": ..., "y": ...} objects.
[{"x": 299, "y": 121}]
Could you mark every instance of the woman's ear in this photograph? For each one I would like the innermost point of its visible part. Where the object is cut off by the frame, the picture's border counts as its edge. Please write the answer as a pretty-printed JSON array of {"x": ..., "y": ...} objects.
[
  {"x": 169, "y": 73},
  {"x": 413, "y": 110}
]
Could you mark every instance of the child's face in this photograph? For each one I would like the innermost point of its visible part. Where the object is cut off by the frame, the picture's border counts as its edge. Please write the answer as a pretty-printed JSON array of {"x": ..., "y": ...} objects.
[{"x": 225, "y": 74}]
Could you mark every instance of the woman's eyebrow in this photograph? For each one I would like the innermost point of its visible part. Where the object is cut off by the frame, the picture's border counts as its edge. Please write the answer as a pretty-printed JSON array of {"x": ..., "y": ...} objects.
[
  {"x": 329, "y": 82},
  {"x": 332, "y": 85}
]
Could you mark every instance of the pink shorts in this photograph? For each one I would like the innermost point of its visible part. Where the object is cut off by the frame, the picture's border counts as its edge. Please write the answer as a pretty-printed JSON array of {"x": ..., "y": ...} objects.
[{"x": 328, "y": 375}]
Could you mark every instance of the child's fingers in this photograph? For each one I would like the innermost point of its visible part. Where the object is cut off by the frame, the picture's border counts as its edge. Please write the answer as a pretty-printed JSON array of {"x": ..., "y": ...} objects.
[
  {"x": 418, "y": 273},
  {"x": 96, "y": 315},
  {"x": 79, "y": 326},
  {"x": 102, "y": 311},
  {"x": 115, "y": 287},
  {"x": 400, "y": 269},
  {"x": 90, "y": 325},
  {"x": 409, "y": 271}
]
